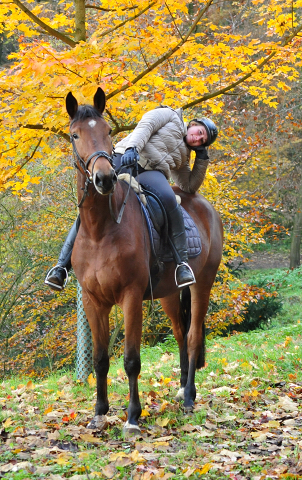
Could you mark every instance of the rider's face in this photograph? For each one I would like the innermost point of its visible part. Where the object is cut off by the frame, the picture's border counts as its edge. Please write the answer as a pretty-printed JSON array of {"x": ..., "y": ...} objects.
[{"x": 196, "y": 135}]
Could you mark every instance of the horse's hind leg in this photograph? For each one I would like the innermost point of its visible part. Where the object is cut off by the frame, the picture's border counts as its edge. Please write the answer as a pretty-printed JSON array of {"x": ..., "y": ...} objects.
[
  {"x": 195, "y": 339},
  {"x": 173, "y": 309}
]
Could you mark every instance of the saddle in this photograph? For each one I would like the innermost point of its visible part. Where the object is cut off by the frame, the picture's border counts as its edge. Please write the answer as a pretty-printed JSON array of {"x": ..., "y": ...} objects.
[{"x": 157, "y": 223}]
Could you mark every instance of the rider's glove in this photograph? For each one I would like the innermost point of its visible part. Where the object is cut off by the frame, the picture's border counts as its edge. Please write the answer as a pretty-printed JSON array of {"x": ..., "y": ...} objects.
[
  {"x": 130, "y": 157},
  {"x": 201, "y": 152}
]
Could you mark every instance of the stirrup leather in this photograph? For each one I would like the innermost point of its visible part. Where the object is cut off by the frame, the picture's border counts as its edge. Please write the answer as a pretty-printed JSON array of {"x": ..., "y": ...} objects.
[
  {"x": 191, "y": 271},
  {"x": 55, "y": 285}
]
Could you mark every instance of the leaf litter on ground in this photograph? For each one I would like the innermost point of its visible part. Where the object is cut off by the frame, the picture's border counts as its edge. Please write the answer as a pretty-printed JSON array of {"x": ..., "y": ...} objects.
[{"x": 247, "y": 421}]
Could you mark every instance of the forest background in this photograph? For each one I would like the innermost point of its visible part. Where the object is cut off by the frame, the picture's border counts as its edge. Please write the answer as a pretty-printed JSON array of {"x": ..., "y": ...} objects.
[{"x": 237, "y": 62}]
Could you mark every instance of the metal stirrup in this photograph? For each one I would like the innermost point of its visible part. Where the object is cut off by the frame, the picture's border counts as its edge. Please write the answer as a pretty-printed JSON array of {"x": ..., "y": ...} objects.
[
  {"x": 191, "y": 271},
  {"x": 55, "y": 285}
]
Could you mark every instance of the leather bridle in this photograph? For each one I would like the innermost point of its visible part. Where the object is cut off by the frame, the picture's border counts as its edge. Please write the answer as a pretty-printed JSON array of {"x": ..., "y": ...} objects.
[{"x": 84, "y": 165}]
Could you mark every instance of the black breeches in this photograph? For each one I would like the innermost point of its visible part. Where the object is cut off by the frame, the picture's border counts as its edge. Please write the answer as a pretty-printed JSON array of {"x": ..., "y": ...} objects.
[{"x": 152, "y": 180}]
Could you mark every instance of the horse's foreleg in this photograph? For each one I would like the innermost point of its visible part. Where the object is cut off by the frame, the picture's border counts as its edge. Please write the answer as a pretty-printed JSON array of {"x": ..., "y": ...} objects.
[
  {"x": 98, "y": 317},
  {"x": 132, "y": 362}
]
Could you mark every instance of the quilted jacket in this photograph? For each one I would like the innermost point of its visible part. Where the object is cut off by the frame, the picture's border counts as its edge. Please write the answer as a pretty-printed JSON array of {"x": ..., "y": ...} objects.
[{"x": 159, "y": 140}]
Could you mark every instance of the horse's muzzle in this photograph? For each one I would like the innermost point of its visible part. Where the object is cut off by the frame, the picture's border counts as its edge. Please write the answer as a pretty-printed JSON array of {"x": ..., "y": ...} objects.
[{"x": 104, "y": 183}]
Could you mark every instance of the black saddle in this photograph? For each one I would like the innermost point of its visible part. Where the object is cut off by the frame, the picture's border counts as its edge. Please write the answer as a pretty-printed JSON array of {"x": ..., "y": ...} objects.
[{"x": 157, "y": 223}]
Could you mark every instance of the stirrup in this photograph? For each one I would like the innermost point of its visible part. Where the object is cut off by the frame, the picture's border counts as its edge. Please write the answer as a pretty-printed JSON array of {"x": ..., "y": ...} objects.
[
  {"x": 55, "y": 285},
  {"x": 190, "y": 282}
]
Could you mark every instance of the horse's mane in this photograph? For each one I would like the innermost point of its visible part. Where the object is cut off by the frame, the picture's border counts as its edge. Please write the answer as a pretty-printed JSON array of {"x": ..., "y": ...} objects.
[{"x": 86, "y": 111}]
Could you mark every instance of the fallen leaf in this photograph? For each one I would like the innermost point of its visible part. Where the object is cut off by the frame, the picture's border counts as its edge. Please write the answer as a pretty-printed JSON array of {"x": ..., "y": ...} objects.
[
  {"x": 91, "y": 381},
  {"x": 162, "y": 422},
  {"x": 109, "y": 471},
  {"x": 90, "y": 438}
]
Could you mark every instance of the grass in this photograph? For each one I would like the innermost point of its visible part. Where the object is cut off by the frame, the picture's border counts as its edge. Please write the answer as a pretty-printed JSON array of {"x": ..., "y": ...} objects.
[{"x": 250, "y": 387}]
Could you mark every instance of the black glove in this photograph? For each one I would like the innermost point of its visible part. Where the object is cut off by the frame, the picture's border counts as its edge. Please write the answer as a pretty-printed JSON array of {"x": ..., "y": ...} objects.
[
  {"x": 130, "y": 157},
  {"x": 201, "y": 152}
]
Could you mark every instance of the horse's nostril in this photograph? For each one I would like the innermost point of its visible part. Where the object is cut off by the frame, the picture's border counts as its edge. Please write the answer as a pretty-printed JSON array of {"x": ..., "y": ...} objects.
[
  {"x": 98, "y": 179},
  {"x": 105, "y": 183}
]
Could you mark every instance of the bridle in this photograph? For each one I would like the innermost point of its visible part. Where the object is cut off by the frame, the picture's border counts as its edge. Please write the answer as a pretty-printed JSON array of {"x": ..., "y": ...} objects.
[{"x": 84, "y": 166}]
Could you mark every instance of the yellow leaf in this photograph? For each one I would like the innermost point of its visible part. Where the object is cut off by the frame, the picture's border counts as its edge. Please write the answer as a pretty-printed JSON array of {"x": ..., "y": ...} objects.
[
  {"x": 91, "y": 381},
  {"x": 30, "y": 385},
  {"x": 7, "y": 422},
  {"x": 48, "y": 410},
  {"x": 255, "y": 393},
  {"x": 145, "y": 413},
  {"x": 87, "y": 437},
  {"x": 205, "y": 468},
  {"x": 274, "y": 424},
  {"x": 162, "y": 422}
]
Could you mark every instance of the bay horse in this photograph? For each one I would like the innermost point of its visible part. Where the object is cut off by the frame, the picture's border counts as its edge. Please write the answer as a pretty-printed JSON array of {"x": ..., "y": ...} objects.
[{"x": 112, "y": 262}]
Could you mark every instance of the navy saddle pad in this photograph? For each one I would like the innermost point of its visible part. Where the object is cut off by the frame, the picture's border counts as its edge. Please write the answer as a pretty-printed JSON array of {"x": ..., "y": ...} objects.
[{"x": 161, "y": 249}]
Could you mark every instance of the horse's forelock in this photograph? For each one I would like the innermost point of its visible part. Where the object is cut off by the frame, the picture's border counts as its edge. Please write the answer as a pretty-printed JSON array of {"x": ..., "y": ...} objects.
[{"x": 86, "y": 111}]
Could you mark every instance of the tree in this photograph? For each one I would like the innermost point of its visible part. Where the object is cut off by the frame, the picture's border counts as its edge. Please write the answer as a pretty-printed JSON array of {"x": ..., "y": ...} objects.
[{"x": 179, "y": 53}]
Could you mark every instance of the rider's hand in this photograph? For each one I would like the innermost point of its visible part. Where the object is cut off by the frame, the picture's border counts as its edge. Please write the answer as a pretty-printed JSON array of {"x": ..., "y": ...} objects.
[
  {"x": 202, "y": 153},
  {"x": 130, "y": 157}
]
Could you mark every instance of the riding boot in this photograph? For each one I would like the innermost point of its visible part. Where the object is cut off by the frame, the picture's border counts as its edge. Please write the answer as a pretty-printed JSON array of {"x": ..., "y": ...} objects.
[
  {"x": 57, "y": 276},
  {"x": 184, "y": 275}
]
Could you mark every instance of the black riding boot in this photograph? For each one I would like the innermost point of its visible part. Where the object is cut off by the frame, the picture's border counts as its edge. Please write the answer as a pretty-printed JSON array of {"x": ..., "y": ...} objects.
[
  {"x": 57, "y": 276},
  {"x": 184, "y": 275}
]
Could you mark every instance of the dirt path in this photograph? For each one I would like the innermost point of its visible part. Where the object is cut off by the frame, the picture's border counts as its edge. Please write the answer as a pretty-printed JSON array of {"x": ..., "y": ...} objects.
[{"x": 261, "y": 260}]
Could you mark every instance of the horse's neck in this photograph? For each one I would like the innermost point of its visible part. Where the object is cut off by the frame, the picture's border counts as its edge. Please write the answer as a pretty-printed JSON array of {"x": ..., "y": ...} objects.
[{"x": 95, "y": 212}]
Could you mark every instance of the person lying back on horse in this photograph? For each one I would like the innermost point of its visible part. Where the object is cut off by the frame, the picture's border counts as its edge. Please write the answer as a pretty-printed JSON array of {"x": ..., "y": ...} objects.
[{"x": 159, "y": 148}]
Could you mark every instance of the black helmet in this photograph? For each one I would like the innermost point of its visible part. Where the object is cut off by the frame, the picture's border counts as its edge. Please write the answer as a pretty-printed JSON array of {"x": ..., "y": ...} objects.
[{"x": 210, "y": 127}]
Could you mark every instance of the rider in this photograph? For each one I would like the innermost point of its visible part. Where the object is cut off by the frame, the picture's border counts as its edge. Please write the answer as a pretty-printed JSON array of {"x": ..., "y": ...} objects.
[{"x": 159, "y": 148}]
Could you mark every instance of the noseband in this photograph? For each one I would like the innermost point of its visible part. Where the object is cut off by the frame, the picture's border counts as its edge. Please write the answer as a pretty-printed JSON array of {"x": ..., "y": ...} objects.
[{"x": 85, "y": 165}]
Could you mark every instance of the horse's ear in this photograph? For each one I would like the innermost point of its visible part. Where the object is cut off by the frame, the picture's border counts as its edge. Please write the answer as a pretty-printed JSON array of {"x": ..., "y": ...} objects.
[
  {"x": 99, "y": 100},
  {"x": 71, "y": 105}
]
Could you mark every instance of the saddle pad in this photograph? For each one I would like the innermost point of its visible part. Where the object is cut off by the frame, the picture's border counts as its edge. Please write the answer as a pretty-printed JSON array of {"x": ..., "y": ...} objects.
[{"x": 164, "y": 251}]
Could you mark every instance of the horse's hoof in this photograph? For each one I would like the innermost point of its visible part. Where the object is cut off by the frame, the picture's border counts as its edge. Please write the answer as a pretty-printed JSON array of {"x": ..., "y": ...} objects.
[
  {"x": 188, "y": 410},
  {"x": 131, "y": 429},
  {"x": 180, "y": 395},
  {"x": 99, "y": 422}
]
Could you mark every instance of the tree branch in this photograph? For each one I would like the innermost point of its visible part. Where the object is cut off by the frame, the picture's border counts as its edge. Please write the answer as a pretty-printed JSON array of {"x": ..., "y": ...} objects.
[
  {"x": 43, "y": 25},
  {"x": 127, "y": 20},
  {"x": 42, "y": 127},
  {"x": 96, "y": 7},
  {"x": 224, "y": 90},
  {"x": 167, "y": 55}
]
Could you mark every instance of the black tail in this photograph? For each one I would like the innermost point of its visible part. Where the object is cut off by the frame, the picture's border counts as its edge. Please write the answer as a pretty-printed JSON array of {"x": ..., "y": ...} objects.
[{"x": 185, "y": 305}]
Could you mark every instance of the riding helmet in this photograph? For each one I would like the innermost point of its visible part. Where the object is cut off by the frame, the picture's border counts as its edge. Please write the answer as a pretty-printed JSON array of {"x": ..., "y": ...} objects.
[{"x": 210, "y": 127}]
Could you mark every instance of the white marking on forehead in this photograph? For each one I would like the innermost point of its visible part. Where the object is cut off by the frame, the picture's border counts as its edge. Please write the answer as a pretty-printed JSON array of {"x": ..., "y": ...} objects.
[{"x": 92, "y": 123}]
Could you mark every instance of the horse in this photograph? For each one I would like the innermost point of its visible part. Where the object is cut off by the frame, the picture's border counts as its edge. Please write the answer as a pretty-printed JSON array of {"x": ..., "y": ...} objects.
[{"x": 112, "y": 262}]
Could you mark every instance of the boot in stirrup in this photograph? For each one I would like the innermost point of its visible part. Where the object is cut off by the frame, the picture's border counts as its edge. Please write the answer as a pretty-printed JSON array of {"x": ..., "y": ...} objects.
[
  {"x": 57, "y": 278},
  {"x": 184, "y": 275}
]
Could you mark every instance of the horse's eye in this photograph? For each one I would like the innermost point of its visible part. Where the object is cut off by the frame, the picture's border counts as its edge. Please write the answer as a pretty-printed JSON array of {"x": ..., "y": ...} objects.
[
  {"x": 75, "y": 135},
  {"x": 110, "y": 131}
]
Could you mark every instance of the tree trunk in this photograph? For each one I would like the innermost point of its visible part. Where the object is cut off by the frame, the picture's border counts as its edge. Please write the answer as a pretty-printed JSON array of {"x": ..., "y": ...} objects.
[
  {"x": 297, "y": 233},
  {"x": 80, "y": 29}
]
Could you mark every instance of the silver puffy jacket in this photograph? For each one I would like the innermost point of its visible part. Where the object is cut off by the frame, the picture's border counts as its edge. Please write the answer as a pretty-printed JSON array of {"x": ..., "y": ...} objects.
[{"x": 159, "y": 140}]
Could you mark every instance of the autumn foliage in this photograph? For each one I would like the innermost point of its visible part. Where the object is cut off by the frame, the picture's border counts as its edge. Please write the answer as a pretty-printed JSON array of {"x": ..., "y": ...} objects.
[{"x": 142, "y": 54}]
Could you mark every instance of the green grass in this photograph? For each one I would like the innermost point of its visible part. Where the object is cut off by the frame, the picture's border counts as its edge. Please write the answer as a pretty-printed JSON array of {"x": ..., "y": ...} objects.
[{"x": 245, "y": 377}]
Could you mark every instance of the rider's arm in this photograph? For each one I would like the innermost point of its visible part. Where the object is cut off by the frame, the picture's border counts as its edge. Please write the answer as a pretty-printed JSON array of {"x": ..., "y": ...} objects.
[{"x": 190, "y": 180}]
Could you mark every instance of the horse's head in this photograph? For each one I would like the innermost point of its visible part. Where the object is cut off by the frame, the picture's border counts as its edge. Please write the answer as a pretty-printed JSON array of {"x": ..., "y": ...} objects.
[{"x": 90, "y": 137}]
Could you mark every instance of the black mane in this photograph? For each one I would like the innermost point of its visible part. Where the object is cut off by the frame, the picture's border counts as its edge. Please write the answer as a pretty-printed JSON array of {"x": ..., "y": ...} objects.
[{"x": 86, "y": 111}]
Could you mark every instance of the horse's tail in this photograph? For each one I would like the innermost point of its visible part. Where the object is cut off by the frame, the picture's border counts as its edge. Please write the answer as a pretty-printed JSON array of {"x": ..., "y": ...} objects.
[{"x": 185, "y": 308}]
